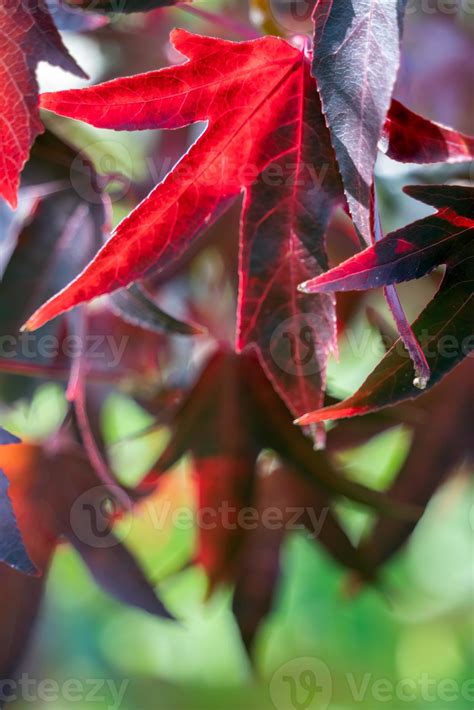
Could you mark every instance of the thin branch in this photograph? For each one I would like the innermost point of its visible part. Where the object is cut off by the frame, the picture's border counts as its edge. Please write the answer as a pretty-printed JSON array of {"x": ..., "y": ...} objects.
[{"x": 76, "y": 394}]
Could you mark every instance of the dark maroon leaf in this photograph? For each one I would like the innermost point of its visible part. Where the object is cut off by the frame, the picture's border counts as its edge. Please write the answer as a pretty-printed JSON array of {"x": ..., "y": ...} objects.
[
  {"x": 12, "y": 550},
  {"x": 67, "y": 17},
  {"x": 21, "y": 598},
  {"x": 444, "y": 328},
  {"x": 135, "y": 305},
  {"x": 120, "y": 6},
  {"x": 410, "y": 138},
  {"x": 118, "y": 573},
  {"x": 355, "y": 63},
  {"x": 441, "y": 441},
  {"x": 56, "y": 240}
]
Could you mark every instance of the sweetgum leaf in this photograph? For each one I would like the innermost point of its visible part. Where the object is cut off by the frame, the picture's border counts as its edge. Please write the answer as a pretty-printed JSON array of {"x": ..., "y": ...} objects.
[
  {"x": 136, "y": 306},
  {"x": 444, "y": 328},
  {"x": 410, "y": 138},
  {"x": 50, "y": 246},
  {"x": 265, "y": 122},
  {"x": 355, "y": 62},
  {"x": 27, "y": 37},
  {"x": 266, "y": 136}
]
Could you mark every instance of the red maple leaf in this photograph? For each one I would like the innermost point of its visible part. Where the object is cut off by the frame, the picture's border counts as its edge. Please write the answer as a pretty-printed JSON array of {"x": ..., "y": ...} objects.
[
  {"x": 265, "y": 122},
  {"x": 266, "y": 136},
  {"x": 27, "y": 37}
]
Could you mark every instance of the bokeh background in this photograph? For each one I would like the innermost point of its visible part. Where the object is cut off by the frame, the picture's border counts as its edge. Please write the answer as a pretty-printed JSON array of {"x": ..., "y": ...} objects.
[{"x": 420, "y": 619}]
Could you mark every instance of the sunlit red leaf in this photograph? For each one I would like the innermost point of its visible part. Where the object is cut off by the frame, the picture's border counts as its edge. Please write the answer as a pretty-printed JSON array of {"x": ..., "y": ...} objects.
[
  {"x": 264, "y": 120},
  {"x": 27, "y": 36}
]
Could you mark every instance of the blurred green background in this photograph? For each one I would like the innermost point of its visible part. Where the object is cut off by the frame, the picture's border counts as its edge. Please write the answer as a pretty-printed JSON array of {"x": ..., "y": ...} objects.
[{"x": 418, "y": 624}]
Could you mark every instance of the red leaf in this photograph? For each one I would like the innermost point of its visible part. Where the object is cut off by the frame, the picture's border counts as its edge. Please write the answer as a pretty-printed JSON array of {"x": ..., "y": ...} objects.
[
  {"x": 355, "y": 62},
  {"x": 410, "y": 138},
  {"x": 55, "y": 493},
  {"x": 444, "y": 329},
  {"x": 27, "y": 36},
  {"x": 283, "y": 229},
  {"x": 265, "y": 122}
]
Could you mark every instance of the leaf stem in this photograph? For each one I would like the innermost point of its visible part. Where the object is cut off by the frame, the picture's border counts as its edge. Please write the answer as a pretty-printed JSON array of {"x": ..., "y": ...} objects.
[
  {"x": 418, "y": 357},
  {"x": 76, "y": 394}
]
